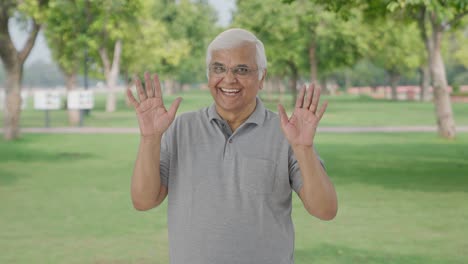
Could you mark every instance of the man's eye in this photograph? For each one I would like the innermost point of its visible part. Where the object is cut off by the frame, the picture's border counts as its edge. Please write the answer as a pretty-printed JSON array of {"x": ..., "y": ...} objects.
[
  {"x": 242, "y": 70},
  {"x": 219, "y": 69}
]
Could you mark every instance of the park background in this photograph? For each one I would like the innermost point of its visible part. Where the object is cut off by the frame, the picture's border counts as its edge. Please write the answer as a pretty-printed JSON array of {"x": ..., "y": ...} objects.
[{"x": 401, "y": 178}]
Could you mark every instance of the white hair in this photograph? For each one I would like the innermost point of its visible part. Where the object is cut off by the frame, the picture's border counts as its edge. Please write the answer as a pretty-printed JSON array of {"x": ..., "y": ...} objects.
[{"x": 236, "y": 37}]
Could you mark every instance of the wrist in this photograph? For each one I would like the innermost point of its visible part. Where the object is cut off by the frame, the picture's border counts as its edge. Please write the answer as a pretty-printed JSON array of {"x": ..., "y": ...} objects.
[
  {"x": 156, "y": 137},
  {"x": 302, "y": 148}
]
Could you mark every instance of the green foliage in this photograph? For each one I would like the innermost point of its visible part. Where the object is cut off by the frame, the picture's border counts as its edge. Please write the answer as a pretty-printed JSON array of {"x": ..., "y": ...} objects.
[
  {"x": 288, "y": 30},
  {"x": 194, "y": 24},
  {"x": 443, "y": 11},
  {"x": 458, "y": 43},
  {"x": 396, "y": 47},
  {"x": 35, "y": 9},
  {"x": 365, "y": 73},
  {"x": 66, "y": 34},
  {"x": 171, "y": 40},
  {"x": 79, "y": 25},
  {"x": 275, "y": 24},
  {"x": 150, "y": 45}
]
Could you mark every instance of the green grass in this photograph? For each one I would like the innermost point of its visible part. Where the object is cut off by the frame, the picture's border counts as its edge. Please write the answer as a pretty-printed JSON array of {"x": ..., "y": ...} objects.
[
  {"x": 344, "y": 110},
  {"x": 402, "y": 199}
]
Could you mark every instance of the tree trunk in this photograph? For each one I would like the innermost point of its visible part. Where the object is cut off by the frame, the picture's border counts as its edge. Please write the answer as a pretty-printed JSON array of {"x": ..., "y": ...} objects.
[
  {"x": 347, "y": 79},
  {"x": 425, "y": 69},
  {"x": 12, "y": 111},
  {"x": 293, "y": 81},
  {"x": 112, "y": 73},
  {"x": 73, "y": 114},
  {"x": 313, "y": 63},
  {"x": 128, "y": 85},
  {"x": 424, "y": 82},
  {"x": 443, "y": 105},
  {"x": 277, "y": 82},
  {"x": 269, "y": 89},
  {"x": 13, "y": 61},
  {"x": 169, "y": 87},
  {"x": 394, "y": 80},
  {"x": 282, "y": 90}
]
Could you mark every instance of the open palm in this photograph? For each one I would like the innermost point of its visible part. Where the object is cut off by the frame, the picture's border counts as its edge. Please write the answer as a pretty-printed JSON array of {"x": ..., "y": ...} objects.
[
  {"x": 153, "y": 118},
  {"x": 301, "y": 127}
]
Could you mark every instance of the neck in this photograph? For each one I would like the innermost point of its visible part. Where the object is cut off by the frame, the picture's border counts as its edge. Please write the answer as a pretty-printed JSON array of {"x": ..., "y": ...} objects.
[{"x": 235, "y": 119}]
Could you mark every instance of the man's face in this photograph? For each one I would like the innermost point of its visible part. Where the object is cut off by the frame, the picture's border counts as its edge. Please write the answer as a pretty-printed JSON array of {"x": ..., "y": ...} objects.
[{"x": 234, "y": 92}]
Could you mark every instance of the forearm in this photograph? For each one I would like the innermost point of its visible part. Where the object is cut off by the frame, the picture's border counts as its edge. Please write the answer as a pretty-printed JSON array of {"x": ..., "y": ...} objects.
[
  {"x": 146, "y": 182},
  {"x": 317, "y": 192}
]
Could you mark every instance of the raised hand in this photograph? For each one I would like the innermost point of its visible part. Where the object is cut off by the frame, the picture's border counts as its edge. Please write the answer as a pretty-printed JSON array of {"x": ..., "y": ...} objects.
[
  {"x": 153, "y": 118},
  {"x": 300, "y": 129}
]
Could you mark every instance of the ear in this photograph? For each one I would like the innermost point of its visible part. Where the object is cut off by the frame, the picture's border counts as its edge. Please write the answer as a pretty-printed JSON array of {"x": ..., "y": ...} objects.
[
  {"x": 263, "y": 79},
  {"x": 264, "y": 74}
]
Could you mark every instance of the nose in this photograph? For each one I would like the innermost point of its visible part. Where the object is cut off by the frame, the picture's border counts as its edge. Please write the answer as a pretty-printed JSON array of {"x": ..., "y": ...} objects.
[{"x": 230, "y": 77}]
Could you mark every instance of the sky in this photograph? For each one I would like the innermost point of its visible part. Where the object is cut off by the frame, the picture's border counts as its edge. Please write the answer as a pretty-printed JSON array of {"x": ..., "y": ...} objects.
[{"x": 41, "y": 52}]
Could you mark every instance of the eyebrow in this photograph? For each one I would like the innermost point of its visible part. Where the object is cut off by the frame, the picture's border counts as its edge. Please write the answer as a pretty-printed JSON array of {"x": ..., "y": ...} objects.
[{"x": 221, "y": 64}]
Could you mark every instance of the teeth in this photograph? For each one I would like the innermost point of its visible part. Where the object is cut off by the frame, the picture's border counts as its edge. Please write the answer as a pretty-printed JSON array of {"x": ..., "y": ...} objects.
[{"x": 229, "y": 90}]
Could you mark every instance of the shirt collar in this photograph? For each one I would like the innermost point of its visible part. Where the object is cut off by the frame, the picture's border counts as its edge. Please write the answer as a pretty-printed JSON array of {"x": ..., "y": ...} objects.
[{"x": 257, "y": 116}]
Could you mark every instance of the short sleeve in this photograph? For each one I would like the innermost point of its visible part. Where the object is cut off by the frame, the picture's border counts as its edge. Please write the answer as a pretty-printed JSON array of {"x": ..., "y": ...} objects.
[
  {"x": 295, "y": 176},
  {"x": 164, "y": 161}
]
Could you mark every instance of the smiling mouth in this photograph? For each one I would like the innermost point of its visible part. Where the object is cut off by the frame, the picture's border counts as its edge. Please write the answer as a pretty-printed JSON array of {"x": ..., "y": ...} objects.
[{"x": 229, "y": 92}]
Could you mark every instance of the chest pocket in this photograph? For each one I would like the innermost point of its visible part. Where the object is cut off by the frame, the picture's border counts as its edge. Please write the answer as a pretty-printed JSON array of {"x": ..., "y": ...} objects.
[{"x": 257, "y": 175}]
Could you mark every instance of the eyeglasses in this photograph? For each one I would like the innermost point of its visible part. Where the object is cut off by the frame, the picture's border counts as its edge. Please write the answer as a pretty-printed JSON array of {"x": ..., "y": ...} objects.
[{"x": 220, "y": 70}]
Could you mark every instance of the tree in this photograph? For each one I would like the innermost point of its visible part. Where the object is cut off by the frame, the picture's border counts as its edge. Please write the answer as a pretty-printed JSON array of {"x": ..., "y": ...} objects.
[
  {"x": 32, "y": 12},
  {"x": 193, "y": 23},
  {"x": 64, "y": 30},
  {"x": 434, "y": 18},
  {"x": 276, "y": 25},
  {"x": 303, "y": 37},
  {"x": 154, "y": 47},
  {"x": 396, "y": 48},
  {"x": 110, "y": 22}
]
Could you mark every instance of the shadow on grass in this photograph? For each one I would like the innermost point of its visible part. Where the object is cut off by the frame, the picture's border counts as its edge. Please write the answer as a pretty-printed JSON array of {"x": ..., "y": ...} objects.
[
  {"x": 7, "y": 177},
  {"x": 20, "y": 152},
  {"x": 333, "y": 254},
  {"x": 409, "y": 166}
]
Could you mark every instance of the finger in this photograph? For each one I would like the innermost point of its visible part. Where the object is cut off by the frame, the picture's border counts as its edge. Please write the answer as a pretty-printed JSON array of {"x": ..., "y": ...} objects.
[
  {"x": 141, "y": 93},
  {"x": 149, "y": 85},
  {"x": 174, "y": 107},
  {"x": 308, "y": 98},
  {"x": 157, "y": 86},
  {"x": 131, "y": 98},
  {"x": 315, "y": 100},
  {"x": 322, "y": 110},
  {"x": 283, "y": 116},
  {"x": 300, "y": 97}
]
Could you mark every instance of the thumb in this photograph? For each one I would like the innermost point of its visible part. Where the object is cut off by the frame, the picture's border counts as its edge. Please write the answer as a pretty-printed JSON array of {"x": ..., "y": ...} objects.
[
  {"x": 175, "y": 105},
  {"x": 283, "y": 116}
]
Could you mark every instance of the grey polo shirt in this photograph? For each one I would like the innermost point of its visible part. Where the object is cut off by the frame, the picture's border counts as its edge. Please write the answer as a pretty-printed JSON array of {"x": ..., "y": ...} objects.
[{"x": 230, "y": 194}]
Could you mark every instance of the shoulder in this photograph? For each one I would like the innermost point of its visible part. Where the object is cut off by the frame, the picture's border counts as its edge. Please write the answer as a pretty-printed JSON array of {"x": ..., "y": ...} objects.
[
  {"x": 271, "y": 119},
  {"x": 192, "y": 117},
  {"x": 185, "y": 125}
]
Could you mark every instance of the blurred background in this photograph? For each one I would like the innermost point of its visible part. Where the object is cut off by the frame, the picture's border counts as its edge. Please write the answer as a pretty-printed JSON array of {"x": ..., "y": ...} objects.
[{"x": 394, "y": 138}]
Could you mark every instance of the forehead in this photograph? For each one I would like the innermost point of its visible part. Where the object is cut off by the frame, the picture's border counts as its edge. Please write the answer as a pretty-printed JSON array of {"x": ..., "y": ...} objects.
[{"x": 244, "y": 54}]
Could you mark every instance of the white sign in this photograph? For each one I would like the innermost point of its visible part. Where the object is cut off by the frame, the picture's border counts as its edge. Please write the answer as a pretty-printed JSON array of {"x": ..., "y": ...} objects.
[
  {"x": 83, "y": 99},
  {"x": 46, "y": 100},
  {"x": 24, "y": 99}
]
